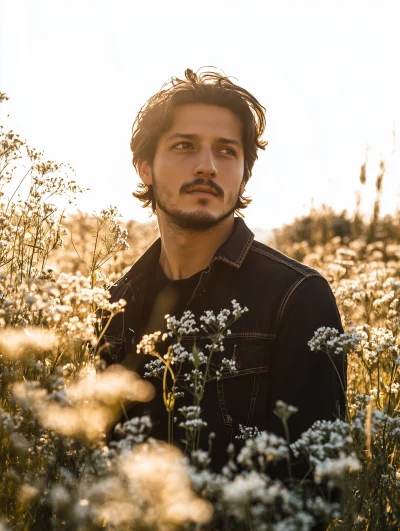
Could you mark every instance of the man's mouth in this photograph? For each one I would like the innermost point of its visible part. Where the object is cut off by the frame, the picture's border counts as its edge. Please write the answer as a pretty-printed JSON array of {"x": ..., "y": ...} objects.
[{"x": 202, "y": 190}]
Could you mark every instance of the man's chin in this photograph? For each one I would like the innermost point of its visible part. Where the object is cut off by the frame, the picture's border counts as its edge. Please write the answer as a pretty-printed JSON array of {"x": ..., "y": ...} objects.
[{"x": 196, "y": 221}]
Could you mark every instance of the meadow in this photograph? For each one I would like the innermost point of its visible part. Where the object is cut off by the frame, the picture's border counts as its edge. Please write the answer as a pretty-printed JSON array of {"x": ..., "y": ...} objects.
[{"x": 58, "y": 400}]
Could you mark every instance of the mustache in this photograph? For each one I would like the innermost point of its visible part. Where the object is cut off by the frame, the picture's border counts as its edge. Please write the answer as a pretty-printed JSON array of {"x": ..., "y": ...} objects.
[{"x": 201, "y": 182}]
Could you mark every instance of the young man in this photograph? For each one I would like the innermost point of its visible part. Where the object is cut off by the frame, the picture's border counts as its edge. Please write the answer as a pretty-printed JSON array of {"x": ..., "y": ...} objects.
[{"x": 194, "y": 145}]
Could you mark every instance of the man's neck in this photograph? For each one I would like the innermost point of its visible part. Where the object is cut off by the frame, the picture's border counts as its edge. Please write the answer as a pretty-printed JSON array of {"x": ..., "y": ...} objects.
[{"x": 184, "y": 253}]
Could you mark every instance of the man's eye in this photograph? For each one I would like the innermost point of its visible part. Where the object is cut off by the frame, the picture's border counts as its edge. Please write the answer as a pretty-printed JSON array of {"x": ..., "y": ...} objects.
[
  {"x": 229, "y": 151},
  {"x": 182, "y": 145}
]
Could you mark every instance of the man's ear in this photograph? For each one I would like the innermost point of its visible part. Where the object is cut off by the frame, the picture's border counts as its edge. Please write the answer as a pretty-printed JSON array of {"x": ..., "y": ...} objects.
[
  {"x": 242, "y": 187},
  {"x": 144, "y": 170}
]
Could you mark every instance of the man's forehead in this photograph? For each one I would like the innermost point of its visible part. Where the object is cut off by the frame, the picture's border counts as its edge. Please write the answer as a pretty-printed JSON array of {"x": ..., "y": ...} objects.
[{"x": 198, "y": 119}]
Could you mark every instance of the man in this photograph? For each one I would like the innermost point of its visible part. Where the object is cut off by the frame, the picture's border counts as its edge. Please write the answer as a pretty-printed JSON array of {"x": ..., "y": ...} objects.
[{"x": 194, "y": 145}]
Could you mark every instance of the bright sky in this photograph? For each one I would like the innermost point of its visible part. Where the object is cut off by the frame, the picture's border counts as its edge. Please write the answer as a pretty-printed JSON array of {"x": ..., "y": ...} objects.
[{"x": 328, "y": 73}]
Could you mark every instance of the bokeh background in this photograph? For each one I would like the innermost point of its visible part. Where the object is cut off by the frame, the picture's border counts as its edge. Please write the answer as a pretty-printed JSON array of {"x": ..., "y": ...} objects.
[{"x": 77, "y": 73}]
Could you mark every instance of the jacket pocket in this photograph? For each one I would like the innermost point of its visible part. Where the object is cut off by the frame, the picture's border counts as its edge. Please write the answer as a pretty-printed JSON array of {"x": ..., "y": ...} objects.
[{"x": 242, "y": 395}]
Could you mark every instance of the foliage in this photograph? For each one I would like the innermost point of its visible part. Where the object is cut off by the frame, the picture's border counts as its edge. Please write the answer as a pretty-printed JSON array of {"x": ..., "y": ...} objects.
[
  {"x": 58, "y": 400},
  {"x": 79, "y": 245},
  {"x": 322, "y": 225}
]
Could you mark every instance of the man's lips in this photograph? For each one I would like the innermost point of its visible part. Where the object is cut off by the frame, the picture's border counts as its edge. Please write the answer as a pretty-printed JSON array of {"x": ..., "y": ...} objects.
[{"x": 202, "y": 189}]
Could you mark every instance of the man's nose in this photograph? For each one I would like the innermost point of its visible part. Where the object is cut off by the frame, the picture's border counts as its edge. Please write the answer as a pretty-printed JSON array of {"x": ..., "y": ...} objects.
[{"x": 206, "y": 165}]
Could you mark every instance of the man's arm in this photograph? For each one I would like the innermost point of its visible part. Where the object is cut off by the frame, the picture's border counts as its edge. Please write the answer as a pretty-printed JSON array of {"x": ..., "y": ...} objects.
[
  {"x": 303, "y": 378},
  {"x": 300, "y": 377}
]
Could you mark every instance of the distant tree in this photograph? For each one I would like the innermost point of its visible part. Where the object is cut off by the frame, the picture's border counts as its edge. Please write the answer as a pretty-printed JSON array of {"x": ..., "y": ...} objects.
[
  {"x": 321, "y": 225},
  {"x": 316, "y": 228}
]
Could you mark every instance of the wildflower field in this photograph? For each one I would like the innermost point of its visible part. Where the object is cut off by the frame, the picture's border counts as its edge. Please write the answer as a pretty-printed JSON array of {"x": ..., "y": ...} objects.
[{"x": 58, "y": 400}]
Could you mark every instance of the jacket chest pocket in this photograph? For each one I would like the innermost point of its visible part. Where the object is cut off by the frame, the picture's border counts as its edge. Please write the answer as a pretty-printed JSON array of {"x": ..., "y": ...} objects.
[{"x": 242, "y": 394}]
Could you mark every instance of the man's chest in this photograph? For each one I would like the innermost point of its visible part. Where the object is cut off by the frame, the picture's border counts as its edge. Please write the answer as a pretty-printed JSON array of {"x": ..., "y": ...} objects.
[{"x": 247, "y": 342}]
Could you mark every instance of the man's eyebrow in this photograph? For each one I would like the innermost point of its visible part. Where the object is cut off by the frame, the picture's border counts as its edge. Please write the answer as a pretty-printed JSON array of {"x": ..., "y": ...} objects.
[
  {"x": 191, "y": 136},
  {"x": 229, "y": 141}
]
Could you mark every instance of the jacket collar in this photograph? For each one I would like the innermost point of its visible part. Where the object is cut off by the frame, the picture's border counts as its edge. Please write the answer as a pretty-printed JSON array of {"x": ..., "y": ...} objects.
[{"x": 233, "y": 251}]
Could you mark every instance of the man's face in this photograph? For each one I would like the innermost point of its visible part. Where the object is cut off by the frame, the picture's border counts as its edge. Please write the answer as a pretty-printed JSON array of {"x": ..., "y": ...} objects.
[{"x": 197, "y": 171}]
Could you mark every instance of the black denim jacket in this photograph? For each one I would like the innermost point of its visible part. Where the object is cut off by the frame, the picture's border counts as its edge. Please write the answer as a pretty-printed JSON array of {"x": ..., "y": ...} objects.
[{"x": 287, "y": 302}]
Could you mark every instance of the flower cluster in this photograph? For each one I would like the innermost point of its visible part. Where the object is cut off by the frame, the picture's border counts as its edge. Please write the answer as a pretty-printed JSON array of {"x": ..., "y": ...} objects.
[
  {"x": 330, "y": 340},
  {"x": 336, "y": 469},
  {"x": 188, "y": 371},
  {"x": 325, "y": 439},
  {"x": 262, "y": 449},
  {"x": 193, "y": 421}
]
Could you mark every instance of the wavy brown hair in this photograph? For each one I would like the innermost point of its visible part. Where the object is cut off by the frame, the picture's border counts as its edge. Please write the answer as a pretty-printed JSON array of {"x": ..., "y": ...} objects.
[{"x": 209, "y": 87}]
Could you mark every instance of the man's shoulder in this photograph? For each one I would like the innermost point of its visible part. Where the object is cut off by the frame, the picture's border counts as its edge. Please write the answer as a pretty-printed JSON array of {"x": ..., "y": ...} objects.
[
  {"x": 123, "y": 283},
  {"x": 140, "y": 269},
  {"x": 272, "y": 261},
  {"x": 286, "y": 283}
]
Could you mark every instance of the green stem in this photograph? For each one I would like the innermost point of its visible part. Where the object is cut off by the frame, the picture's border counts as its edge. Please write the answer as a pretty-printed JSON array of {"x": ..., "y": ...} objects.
[
  {"x": 289, "y": 460},
  {"x": 390, "y": 387},
  {"x": 16, "y": 190},
  {"x": 378, "y": 384},
  {"x": 341, "y": 384},
  {"x": 170, "y": 428}
]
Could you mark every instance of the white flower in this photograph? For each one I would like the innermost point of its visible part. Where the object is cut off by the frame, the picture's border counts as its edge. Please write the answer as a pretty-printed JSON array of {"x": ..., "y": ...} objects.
[
  {"x": 335, "y": 469},
  {"x": 329, "y": 340}
]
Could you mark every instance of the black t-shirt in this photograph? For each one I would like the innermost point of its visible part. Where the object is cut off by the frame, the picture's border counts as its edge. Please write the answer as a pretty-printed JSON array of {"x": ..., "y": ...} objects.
[{"x": 163, "y": 296}]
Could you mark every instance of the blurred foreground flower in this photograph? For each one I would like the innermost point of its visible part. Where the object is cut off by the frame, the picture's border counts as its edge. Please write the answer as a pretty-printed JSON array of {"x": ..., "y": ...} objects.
[
  {"x": 335, "y": 470},
  {"x": 151, "y": 490},
  {"x": 86, "y": 409},
  {"x": 110, "y": 387},
  {"x": 17, "y": 343}
]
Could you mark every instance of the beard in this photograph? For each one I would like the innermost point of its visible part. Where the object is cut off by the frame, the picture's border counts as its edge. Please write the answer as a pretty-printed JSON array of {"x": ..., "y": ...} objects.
[{"x": 198, "y": 221}]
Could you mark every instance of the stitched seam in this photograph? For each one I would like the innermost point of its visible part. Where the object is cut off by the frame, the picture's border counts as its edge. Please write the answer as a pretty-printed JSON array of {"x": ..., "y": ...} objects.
[
  {"x": 114, "y": 338},
  {"x": 126, "y": 286},
  {"x": 206, "y": 271},
  {"x": 227, "y": 418},
  {"x": 239, "y": 261},
  {"x": 255, "y": 370},
  {"x": 132, "y": 281},
  {"x": 290, "y": 292},
  {"x": 281, "y": 260},
  {"x": 226, "y": 260},
  {"x": 245, "y": 249},
  {"x": 253, "y": 399},
  {"x": 137, "y": 268},
  {"x": 255, "y": 391},
  {"x": 255, "y": 335},
  {"x": 285, "y": 301},
  {"x": 248, "y": 335}
]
